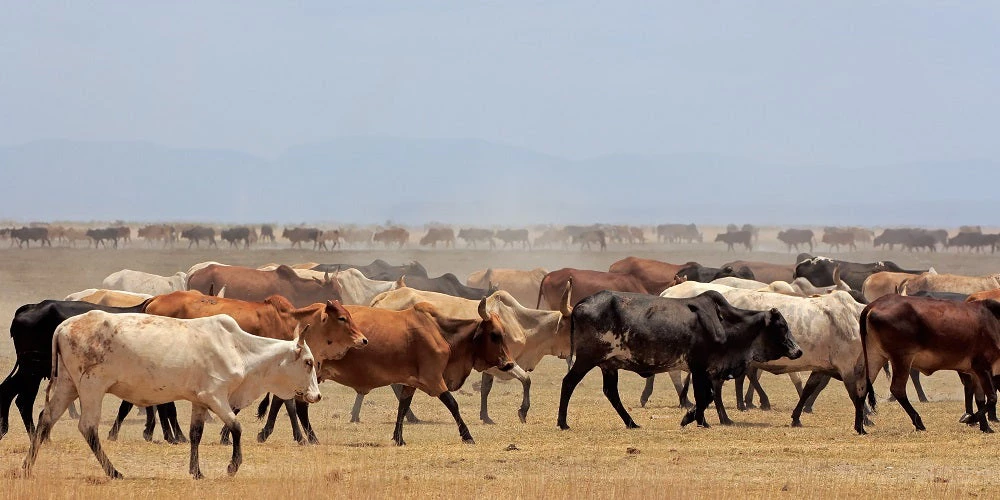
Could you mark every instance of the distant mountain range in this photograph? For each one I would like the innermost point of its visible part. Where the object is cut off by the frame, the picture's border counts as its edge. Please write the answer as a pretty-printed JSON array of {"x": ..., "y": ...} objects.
[{"x": 468, "y": 181}]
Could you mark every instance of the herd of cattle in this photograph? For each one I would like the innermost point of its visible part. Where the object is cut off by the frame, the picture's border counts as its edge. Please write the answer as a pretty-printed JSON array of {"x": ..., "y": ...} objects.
[
  {"x": 223, "y": 336},
  {"x": 593, "y": 236}
]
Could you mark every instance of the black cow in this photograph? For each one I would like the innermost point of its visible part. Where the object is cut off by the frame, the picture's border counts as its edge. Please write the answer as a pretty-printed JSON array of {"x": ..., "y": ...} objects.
[
  {"x": 32, "y": 330},
  {"x": 675, "y": 233},
  {"x": 911, "y": 238},
  {"x": 447, "y": 284},
  {"x": 744, "y": 238},
  {"x": 267, "y": 233},
  {"x": 796, "y": 237},
  {"x": 648, "y": 334},
  {"x": 700, "y": 273},
  {"x": 378, "y": 270},
  {"x": 587, "y": 237},
  {"x": 819, "y": 270},
  {"x": 26, "y": 235},
  {"x": 195, "y": 234},
  {"x": 974, "y": 241},
  {"x": 235, "y": 235},
  {"x": 99, "y": 236}
]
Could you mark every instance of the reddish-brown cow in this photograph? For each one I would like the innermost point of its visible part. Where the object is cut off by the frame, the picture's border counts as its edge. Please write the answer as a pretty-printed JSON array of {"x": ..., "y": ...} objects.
[
  {"x": 930, "y": 335},
  {"x": 423, "y": 349},
  {"x": 252, "y": 285},
  {"x": 652, "y": 273},
  {"x": 587, "y": 283}
]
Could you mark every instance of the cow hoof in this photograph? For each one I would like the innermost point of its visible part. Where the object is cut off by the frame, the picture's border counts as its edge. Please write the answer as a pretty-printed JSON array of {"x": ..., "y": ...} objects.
[
  {"x": 225, "y": 441},
  {"x": 765, "y": 406},
  {"x": 232, "y": 469},
  {"x": 563, "y": 427},
  {"x": 796, "y": 423},
  {"x": 313, "y": 440},
  {"x": 869, "y": 421},
  {"x": 116, "y": 475},
  {"x": 704, "y": 425},
  {"x": 687, "y": 419},
  {"x": 414, "y": 420},
  {"x": 487, "y": 420},
  {"x": 181, "y": 440},
  {"x": 807, "y": 409},
  {"x": 197, "y": 475},
  {"x": 112, "y": 437},
  {"x": 523, "y": 415},
  {"x": 399, "y": 442},
  {"x": 861, "y": 431},
  {"x": 468, "y": 440},
  {"x": 261, "y": 437},
  {"x": 920, "y": 427},
  {"x": 725, "y": 422},
  {"x": 965, "y": 418},
  {"x": 148, "y": 436},
  {"x": 355, "y": 420},
  {"x": 987, "y": 430},
  {"x": 632, "y": 425}
]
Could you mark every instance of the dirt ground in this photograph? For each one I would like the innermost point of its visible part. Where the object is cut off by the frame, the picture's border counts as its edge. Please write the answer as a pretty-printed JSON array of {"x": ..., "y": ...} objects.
[{"x": 760, "y": 456}]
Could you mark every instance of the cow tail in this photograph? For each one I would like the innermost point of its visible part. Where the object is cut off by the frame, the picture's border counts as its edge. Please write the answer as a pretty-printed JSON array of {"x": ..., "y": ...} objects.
[
  {"x": 541, "y": 286},
  {"x": 869, "y": 389},
  {"x": 262, "y": 407},
  {"x": 572, "y": 348},
  {"x": 55, "y": 366}
]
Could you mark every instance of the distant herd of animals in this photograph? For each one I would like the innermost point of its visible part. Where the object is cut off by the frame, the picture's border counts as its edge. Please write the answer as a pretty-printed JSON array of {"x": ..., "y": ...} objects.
[
  {"x": 597, "y": 236},
  {"x": 223, "y": 337}
]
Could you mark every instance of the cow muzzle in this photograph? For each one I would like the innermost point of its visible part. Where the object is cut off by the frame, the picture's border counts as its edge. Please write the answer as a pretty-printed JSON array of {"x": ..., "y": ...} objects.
[
  {"x": 360, "y": 341},
  {"x": 310, "y": 397},
  {"x": 795, "y": 353},
  {"x": 515, "y": 370}
]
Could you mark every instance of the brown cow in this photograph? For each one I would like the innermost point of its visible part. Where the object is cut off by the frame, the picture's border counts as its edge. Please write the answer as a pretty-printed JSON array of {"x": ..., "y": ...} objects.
[
  {"x": 930, "y": 335},
  {"x": 652, "y": 273},
  {"x": 395, "y": 235},
  {"x": 953, "y": 283},
  {"x": 113, "y": 298},
  {"x": 587, "y": 283},
  {"x": 328, "y": 329},
  {"x": 985, "y": 295},
  {"x": 252, "y": 285},
  {"x": 765, "y": 271},
  {"x": 423, "y": 349}
]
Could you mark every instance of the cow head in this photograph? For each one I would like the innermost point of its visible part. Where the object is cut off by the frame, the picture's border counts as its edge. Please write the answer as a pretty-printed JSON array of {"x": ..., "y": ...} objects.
[
  {"x": 335, "y": 333},
  {"x": 490, "y": 348},
  {"x": 774, "y": 339},
  {"x": 296, "y": 374}
]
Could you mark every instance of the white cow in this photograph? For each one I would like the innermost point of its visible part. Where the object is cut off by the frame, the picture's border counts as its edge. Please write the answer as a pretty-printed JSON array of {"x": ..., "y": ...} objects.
[
  {"x": 825, "y": 327},
  {"x": 356, "y": 289},
  {"x": 532, "y": 334},
  {"x": 150, "y": 360},
  {"x": 140, "y": 282}
]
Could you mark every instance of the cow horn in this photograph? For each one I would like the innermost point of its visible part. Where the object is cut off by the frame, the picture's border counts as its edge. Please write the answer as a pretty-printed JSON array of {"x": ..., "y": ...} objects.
[
  {"x": 401, "y": 283},
  {"x": 326, "y": 276},
  {"x": 837, "y": 280},
  {"x": 565, "y": 305},
  {"x": 222, "y": 292},
  {"x": 482, "y": 309}
]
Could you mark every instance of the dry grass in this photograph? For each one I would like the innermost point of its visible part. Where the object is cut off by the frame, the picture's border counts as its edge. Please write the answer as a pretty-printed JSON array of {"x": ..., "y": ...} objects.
[{"x": 761, "y": 456}]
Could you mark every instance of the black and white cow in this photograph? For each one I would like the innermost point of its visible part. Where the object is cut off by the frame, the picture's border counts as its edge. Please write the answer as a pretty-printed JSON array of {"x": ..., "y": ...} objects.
[{"x": 647, "y": 335}]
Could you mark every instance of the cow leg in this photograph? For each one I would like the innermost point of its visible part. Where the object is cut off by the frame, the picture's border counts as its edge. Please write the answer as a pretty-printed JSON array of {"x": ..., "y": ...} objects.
[
  {"x": 123, "y": 410},
  {"x": 703, "y": 395},
  {"x": 765, "y": 402},
  {"x": 808, "y": 408},
  {"x": 228, "y": 417},
  {"x": 915, "y": 377},
  {"x": 272, "y": 415},
  {"x": 748, "y": 399},
  {"x": 569, "y": 383},
  {"x": 720, "y": 407},
  {"x": 816, "y": 382},
  {"x": 168, "y": 421},
  {"x": 406, "y": 397},
  {"x": 484, "y": 392},
  {"x": 968, "y": 388},
  {"x": 738, "y": 383},
  {"x": 611, "y": 392},
  {"x": 9, "y": 388},
  {"x": 198, "y": 413},
  {"x": 647, "y": 390},
  {"x": 302, "y": 410},
  {"x": 72, "y": 411},
  {"x": 356, "y": 410},
  {"x": 900, "y": 376},
  {"x": 985, "y": 379},
  {"x": 682, "y": 385},
  {"x": 522, "y": 412},
  {"x": 25, "y": 403},
  {"x": 90, "y": 417},
  {"x": 410, "y": 417},
  {"x": 294, "y": 420},
  {"x": 991, "y": 412},
  {"x": 452, "y": 405},
  {"x": 61, "y": 395}
]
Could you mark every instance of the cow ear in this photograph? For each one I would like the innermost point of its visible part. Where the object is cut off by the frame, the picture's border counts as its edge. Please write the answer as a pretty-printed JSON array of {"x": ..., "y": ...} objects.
[
  {"x": 711, "y": 322},
  {"x": 482, "y": 310}
]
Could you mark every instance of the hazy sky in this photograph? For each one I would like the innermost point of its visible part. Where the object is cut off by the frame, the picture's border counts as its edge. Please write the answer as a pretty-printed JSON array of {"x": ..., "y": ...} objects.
[{"x": 828, "y": 83}]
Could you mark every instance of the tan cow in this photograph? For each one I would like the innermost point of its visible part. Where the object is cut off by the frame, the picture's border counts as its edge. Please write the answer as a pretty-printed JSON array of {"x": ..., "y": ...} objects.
[
  {"x": 114, "y": 298},
  {"x": 522, "y": 285},
  {"x": 953, "y": 283}
]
